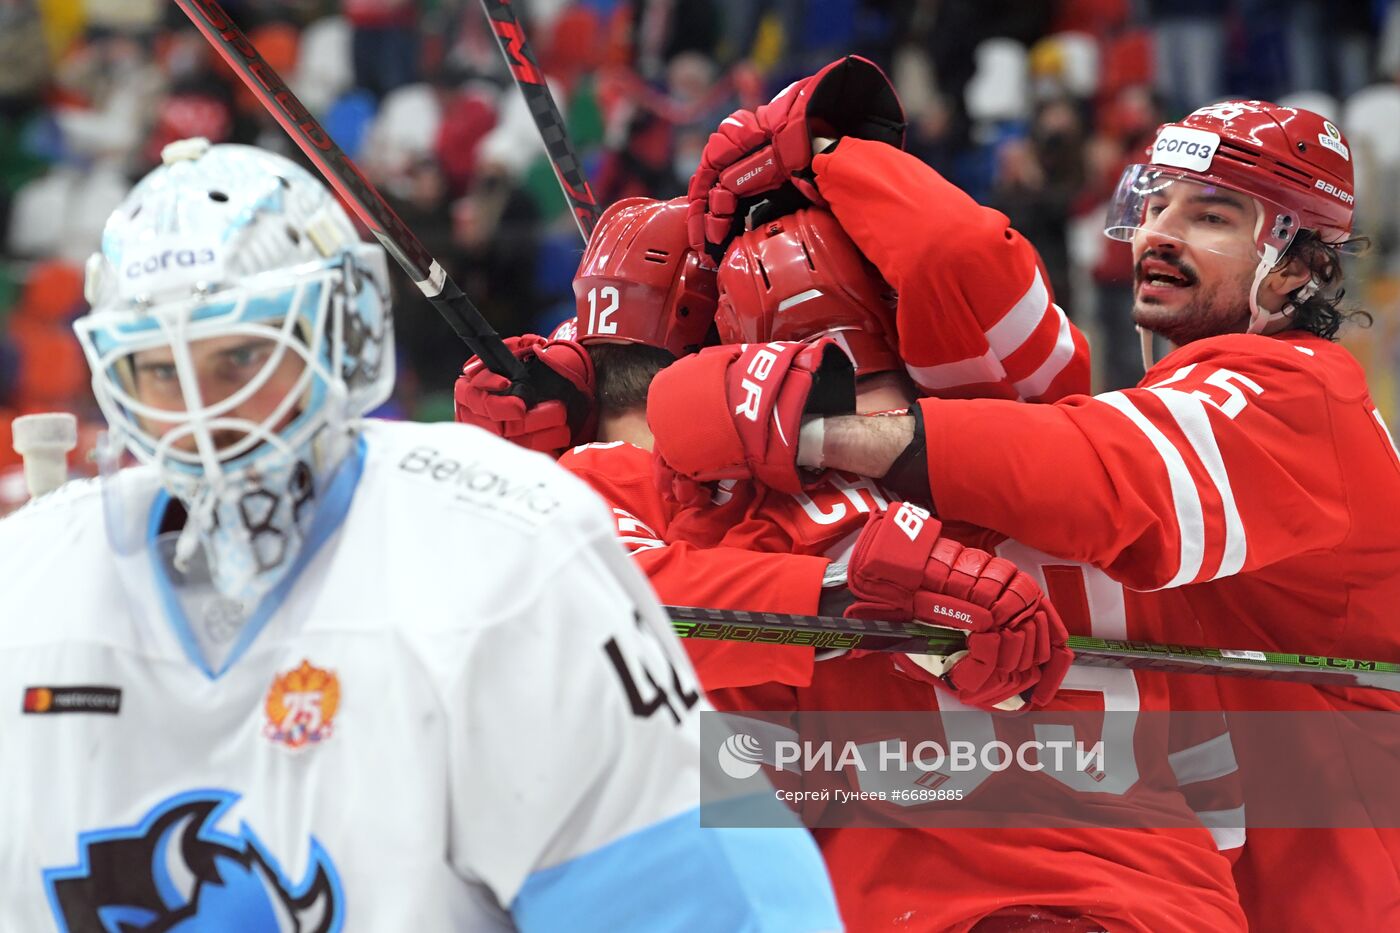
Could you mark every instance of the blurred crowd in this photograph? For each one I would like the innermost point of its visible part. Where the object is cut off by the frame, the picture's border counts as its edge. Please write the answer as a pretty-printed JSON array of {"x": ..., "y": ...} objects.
[{"x": 1032, "y": 106}]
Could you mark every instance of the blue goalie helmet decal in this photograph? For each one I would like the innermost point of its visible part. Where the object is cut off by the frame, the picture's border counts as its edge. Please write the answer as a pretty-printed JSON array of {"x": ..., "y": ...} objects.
[{"x": 175, "y": 871}]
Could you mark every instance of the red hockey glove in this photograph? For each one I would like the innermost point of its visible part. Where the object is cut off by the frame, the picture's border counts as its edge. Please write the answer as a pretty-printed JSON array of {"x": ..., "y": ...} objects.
[
  {"x": 565, "y": 416},
  {"x": 734, "y": 412},
  {"x": 901, "y": 569},
  {"x": 751, "y": 153}
]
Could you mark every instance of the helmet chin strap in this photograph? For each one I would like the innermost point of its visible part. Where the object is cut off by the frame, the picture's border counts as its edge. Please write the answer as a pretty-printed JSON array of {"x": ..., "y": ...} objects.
[
  {"x": 1145, "y": 342},
  {"x": 1261, "y": 318}
]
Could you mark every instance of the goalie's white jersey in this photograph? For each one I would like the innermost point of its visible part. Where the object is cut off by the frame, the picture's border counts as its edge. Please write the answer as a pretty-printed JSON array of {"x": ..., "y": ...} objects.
[{"x": 466, "y": 711}]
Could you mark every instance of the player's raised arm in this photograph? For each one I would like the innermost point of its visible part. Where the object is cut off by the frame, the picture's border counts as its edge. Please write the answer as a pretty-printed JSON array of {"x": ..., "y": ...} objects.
[
  {"x": 976, "y": 317},
  {"x": 1186, "y": 479},
  {"x": 586, "y": 815}
]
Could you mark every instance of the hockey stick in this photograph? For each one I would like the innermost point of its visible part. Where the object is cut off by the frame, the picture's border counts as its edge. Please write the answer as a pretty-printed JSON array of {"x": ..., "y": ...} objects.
[
  {"x": 391, "y": 232},
  {"x": 775, "y": 628},
  {"x": 528, "y": 77}
]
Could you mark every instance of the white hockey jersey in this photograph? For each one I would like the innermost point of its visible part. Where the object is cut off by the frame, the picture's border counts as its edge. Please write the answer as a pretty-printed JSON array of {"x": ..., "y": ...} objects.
[{"x": 465, "y": 712}]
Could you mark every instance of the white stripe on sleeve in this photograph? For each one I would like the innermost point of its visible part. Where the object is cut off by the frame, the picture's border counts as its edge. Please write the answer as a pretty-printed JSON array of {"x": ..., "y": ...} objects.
[
  {"x": 1376, "y": 413},
  {"x": 1185, "y": 501},
  {"x": 1007, "y": 335},
  {"x": 1190, "y": 414},
  {"x": 972, "y": 371},
  {"x": 1037, "y": 382},
  {"x": 632, "y": 544}
]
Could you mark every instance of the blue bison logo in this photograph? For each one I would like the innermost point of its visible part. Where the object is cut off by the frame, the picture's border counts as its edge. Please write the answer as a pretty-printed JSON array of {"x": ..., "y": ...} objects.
[{"x": 175, "y": 872}]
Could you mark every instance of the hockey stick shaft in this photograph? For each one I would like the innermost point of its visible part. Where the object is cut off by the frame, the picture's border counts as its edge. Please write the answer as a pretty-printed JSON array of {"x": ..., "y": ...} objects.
[
  {"x": 528, "y": 77},
  {"x": 772, "y": 628},
  {"x": 352, "y": 186}
]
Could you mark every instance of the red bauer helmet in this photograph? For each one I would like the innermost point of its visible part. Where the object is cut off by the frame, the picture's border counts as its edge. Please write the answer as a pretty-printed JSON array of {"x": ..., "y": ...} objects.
[
  {"x": 1295, "y": 164},
  {"x": 800, "y": 277},
  {"x": 640, "y": 282}
]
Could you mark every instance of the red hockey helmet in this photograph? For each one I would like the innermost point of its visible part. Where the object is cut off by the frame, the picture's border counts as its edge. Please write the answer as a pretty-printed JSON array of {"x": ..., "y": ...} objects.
[
  {"x": 801, "y": 277},
  {"x": 640, "y": 282},
  {"x": 1295, "y": 164}
]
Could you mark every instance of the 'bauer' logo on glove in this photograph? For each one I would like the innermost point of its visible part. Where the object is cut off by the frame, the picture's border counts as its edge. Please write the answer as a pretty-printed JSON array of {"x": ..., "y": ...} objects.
[
  {"x": 901, "y": 569},
  {"x": 734, "y": 412}
]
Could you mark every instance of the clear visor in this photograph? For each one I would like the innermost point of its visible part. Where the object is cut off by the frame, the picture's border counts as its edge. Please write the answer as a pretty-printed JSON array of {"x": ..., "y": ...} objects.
[{"x": 1165, "y": 203}]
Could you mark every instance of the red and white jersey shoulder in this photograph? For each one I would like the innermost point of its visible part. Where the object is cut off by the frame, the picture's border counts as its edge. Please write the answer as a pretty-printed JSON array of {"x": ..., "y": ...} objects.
[
  {"x": 976, "y": 317},
  {"x": 1230, "y": 430},
  {"x": 621, "y": 474}
]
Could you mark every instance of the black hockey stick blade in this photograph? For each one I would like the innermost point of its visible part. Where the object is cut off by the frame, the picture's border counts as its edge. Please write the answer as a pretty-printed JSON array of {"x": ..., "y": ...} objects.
[
  {"x": 345, "y": 177},
  {"x": 834, "y": 632},
  {"x": 528, "y": 77}
]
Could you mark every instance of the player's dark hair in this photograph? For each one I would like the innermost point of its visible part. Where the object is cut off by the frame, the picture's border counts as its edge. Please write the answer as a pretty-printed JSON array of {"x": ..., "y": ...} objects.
[
  {"x": 1322, "y": 313},
  {"x": 624, "y": 372}
]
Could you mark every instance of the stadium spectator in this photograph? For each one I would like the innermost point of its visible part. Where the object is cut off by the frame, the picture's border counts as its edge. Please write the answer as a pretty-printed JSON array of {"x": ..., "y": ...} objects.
[
  {"x": 1038, "y": 180},
  {"x": 1190, "y": 36}
]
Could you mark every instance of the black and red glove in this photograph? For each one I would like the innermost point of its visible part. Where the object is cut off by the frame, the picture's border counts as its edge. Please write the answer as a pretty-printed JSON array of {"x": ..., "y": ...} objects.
[
  {"x": 562, "y": 372},
  {"x": 754, "y": 152},
  {"x": 901, "y": 570},
  {"x": 734, "y": 412}
]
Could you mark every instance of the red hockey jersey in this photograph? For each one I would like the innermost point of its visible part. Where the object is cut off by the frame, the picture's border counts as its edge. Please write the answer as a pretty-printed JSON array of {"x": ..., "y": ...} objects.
[
  {"x": 1255, "y": 477},
  {"x": 1157, "y": 879},
  {"x": 968, "y": 328}
]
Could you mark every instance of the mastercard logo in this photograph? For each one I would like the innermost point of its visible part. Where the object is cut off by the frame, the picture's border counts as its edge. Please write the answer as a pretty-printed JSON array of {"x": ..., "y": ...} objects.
[{"x": 38, "y": 700}]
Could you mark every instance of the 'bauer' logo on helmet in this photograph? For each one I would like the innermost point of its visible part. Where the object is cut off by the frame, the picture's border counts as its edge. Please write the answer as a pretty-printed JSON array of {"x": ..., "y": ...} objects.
[{"x": 1336, "y": 192}]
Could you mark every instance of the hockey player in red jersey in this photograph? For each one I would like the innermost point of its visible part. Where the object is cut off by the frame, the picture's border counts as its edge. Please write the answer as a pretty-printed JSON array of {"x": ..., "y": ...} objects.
[
  {"x": 779, "y": 281},
  {"x": 828, "y": 518},
  {"x": 1250, "y": 468},
  {"x": 643, "y": 299}
]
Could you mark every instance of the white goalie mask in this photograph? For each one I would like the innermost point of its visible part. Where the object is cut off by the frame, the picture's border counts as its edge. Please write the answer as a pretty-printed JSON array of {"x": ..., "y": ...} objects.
[{"x": 238, "y": 328}]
